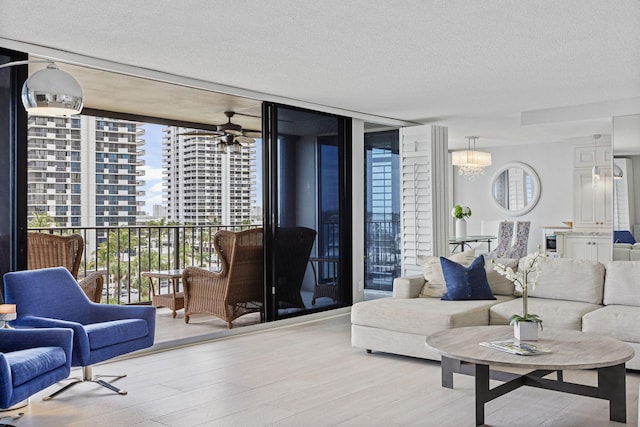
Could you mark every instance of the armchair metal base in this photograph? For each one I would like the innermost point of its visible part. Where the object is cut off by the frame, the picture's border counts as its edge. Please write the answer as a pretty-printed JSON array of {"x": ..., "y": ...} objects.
[
  {"x": 87, "y": 376},
  {"x": 15, "y": 417}
]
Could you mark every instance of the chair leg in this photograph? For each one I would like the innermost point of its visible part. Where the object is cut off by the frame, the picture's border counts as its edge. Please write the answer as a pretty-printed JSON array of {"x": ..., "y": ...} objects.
[{"x": 87, "y": 376}]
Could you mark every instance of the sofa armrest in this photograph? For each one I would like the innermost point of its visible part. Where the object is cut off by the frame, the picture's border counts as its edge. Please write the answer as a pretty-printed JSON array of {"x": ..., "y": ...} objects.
[{"x": 408, "y": 287}]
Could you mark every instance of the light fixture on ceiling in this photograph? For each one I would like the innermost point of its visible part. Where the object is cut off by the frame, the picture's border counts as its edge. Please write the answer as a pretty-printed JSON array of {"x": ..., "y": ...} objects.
[
  {"x": 50, "y": 91},
  {"x": 230, "y": 136},
  {"x": 230, "y": 145},
  {"x": 595, "y": 171},
  {"x": 617, "y": 172},
  {"x": 471, "y": 162}
]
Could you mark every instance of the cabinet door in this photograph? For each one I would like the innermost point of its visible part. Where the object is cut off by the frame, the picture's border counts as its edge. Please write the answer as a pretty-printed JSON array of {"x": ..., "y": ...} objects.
[
  {"x": 602, "y": 248},
  {"x": 578, "y": 247},
  {"x": 592, "y": 203}
]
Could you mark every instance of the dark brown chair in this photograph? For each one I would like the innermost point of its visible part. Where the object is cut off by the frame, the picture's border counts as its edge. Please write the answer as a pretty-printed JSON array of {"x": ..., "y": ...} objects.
[
  {"x": 235, "y": 290},
  {"x": 292, "y": 248},
  {"x": 51, "y": 250}
]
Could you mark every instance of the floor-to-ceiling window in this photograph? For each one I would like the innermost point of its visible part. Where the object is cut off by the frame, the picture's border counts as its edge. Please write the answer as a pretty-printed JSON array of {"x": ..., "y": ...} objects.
[
  {"x": 307, "y": 199},
  {"x": 382, "y": 211},
  {"x": 308, "y": 160},
  {"x": 13, "y": 173}
]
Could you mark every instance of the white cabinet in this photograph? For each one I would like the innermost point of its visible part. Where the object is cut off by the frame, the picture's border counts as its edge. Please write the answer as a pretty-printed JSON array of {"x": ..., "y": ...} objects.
[
  {"x": 588, "y": 155},
  {"x": 592, "y": 200},
  {"x": 595, "y": 247}
]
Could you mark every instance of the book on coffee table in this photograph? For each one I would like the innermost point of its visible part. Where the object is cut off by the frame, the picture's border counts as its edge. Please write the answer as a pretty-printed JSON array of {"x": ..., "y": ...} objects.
[{"x": 516, "y": 347}]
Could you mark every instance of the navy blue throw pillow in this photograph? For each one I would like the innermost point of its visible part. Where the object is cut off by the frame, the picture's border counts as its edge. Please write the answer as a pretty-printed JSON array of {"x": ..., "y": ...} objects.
[{"x": 465, "y": 283}]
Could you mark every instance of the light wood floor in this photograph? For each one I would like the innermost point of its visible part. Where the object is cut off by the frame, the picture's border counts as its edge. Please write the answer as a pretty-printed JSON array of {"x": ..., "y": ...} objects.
[{"x": 302, "y": 375}]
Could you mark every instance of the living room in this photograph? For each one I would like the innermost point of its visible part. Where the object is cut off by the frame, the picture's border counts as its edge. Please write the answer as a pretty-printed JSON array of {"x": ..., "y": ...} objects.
[{"x": 501, "y": 61}]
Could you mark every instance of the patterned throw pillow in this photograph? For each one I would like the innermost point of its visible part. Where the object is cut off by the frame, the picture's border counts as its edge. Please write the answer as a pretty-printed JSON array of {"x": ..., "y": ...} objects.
[
  {"x": 432, "y": 269},
  {"x": 466, "y": 283}
]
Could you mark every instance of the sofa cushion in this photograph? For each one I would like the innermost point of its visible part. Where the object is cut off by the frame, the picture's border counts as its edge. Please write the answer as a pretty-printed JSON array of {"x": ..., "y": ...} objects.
[
  {"x": 422, "y": 316},
  {"x": 571, "y": 280},
  {"x": 622, "y": 283},
  {"x": 554, "y": 313},
  {"x": 617, "y": 321},
  {"x": 465, "y": 283},
  {"x": 31, "y": 363},
  {"x": 104, "y": 334},
  {"x": 432, "y": 269},
  {"x": 498, "y": 283}
]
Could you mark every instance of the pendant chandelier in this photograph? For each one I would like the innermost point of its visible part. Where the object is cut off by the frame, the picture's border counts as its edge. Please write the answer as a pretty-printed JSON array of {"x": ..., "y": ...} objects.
[
  {"x": 50, "y": 91},
  {"x": 471, "y": 163}
]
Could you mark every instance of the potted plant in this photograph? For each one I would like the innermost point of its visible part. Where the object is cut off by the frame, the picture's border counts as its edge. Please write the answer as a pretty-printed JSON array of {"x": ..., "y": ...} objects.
[
  {"x": 460, "y": 213},
  {"x": 525, "y": 325}
]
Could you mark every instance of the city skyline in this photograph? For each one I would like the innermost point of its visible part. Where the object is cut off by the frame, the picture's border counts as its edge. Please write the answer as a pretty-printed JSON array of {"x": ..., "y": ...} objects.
[{"x": 153, "y": 168}]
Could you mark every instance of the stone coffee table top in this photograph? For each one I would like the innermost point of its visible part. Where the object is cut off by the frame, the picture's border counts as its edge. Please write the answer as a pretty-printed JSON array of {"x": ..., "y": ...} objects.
[{"x": 570, "y": 349}]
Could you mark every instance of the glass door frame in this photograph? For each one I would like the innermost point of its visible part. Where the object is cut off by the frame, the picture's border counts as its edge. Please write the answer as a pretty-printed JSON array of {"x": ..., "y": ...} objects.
[{"x": 270, "y": 206}]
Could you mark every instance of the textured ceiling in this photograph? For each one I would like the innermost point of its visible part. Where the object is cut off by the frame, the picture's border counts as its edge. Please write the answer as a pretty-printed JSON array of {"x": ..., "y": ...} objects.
[{"x": 473, "y": 66}]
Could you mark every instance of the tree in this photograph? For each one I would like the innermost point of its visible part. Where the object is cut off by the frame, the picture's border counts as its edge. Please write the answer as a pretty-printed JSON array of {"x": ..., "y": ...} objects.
[{"x": 42, "y": 220}]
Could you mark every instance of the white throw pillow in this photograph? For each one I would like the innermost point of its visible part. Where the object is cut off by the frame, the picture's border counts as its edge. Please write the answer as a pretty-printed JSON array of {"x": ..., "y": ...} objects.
[
  {"x": 435, "y": 286},
  {"x": 498, "y": 283},
  {"x": 621, "y": 283}
]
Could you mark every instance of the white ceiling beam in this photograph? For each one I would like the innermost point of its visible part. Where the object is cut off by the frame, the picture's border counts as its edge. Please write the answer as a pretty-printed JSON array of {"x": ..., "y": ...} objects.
[{"x": 573, "y": 113}]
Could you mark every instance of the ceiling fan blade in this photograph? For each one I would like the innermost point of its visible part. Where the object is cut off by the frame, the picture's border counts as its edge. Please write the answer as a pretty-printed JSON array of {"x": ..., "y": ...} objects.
[
  {"x": 202, "y": 133},
  {"x": 245, "y": 139},
  {"x": 252, "y": 133},
  {"x": 233, "y": 132}
]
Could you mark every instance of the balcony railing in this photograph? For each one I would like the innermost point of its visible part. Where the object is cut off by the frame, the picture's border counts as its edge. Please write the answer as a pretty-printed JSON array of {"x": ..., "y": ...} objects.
[
  {"x": 124, "y": 253},
  {"x": 382, "y": 261}
]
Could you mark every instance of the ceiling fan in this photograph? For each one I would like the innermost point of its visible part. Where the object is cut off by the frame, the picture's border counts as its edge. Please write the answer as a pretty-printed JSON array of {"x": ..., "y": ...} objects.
[{"x": 229, "y": 135}]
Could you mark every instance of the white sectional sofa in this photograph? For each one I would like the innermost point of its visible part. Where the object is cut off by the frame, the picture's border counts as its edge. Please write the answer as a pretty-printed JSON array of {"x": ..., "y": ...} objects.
[
  {"x": 571, "y": 294},
  {"x": 626, "y": 252}
]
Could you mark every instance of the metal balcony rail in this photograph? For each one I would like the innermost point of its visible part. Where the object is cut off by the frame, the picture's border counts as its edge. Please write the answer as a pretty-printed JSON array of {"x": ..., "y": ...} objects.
[{"x": 124, "y": 253}]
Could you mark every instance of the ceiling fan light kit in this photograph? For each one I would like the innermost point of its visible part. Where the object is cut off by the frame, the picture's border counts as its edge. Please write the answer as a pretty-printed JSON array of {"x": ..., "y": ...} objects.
[{"x": 230, "y": 136}]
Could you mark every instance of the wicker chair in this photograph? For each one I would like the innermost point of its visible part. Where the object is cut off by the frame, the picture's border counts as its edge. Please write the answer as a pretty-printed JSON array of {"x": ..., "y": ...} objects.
[
  {"x": 234, "y": 291},
  {"x": 52, "y": 250}
]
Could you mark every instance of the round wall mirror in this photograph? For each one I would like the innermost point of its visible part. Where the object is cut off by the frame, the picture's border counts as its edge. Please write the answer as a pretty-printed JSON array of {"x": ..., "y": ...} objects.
[{"x": 515, "y": 189}]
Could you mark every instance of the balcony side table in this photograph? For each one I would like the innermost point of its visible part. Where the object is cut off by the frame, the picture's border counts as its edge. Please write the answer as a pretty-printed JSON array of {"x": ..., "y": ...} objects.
[
  {"x": 329, "y": 289},
  {"x": 172, "y": 299}
]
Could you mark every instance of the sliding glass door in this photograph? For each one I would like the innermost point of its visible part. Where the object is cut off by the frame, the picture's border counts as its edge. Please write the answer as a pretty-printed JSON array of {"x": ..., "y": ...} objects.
[{"x": 307, "y": 211}]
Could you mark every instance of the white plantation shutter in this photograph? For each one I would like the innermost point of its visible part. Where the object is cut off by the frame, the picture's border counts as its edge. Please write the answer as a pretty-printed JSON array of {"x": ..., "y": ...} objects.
[{"x": 424, "y": 189}]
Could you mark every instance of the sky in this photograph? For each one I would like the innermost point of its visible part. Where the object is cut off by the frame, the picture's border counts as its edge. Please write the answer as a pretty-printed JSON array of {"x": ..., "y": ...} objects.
[{"x": 153, "y": 166}]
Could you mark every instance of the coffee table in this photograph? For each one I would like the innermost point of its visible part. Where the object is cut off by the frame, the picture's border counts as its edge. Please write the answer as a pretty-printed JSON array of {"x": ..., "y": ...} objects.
[{"x": 461, "y": 353}]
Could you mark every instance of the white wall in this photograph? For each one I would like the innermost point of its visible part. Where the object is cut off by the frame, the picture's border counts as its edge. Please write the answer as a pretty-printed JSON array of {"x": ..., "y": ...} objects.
[{"x": 554, "y": 165}]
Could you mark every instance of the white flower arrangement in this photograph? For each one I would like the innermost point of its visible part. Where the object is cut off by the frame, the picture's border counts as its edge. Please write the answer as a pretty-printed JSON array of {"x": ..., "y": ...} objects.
[
  {"x": 527, "y": 275},
  {"x": 460, "y": 212}
]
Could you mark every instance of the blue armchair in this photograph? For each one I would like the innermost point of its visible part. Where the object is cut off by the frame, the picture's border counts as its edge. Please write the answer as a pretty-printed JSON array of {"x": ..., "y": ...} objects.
[
  {"x": 30, "y": 361},
  {"x": 51, "y": 298}
]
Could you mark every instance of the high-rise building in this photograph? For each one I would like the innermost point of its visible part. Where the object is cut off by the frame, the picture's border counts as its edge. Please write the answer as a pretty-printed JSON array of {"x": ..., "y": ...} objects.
[
  {"x": 202, "y": 184},
  {"x": 84, "y": 170}
]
